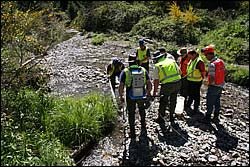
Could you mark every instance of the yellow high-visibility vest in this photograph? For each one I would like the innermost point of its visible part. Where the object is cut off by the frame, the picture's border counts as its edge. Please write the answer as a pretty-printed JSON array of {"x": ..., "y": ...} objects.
[
  {"x": 142, "y": 54},
  {"x": 193, "y": 73},
  {"x": 168, "y": 71}
]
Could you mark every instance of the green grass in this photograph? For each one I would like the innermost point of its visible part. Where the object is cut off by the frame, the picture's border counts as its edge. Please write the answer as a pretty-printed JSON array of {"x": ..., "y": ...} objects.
[
  {"x": 77, "y": 121},
  {"x": 39, "y": 130},
  {"x": 98, "y": 39},
  {"x": 238, "y": 75}
]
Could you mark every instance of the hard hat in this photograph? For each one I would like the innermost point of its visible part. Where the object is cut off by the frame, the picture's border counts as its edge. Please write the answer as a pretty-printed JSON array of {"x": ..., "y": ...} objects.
[
  {"x": 141, "y": 42},
  {"x": 208, "y": 49},
  {"x": 156, "y": 55}
]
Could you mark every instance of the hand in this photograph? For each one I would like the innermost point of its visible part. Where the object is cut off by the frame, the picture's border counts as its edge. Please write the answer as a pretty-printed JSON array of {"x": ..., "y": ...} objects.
[{"x": 205, "y": 82}]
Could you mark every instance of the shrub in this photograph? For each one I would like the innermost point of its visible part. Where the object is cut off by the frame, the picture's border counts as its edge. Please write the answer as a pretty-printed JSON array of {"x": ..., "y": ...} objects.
[
  {"x": 238, "y": 75},
  {"x": 25, "y": 38},
  {"x": 32, "y": 149},
  {"x": 231, "y": 41},
  {"x": 117, "y": 16},
  {"x": 98, "y": 39},
  {"x": 24, "y": 139},
  {"x": 167, "y": 30}
]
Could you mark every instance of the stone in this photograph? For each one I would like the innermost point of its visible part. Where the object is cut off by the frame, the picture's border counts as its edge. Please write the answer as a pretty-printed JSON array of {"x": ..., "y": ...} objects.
[{"x": 212, "y": 158}]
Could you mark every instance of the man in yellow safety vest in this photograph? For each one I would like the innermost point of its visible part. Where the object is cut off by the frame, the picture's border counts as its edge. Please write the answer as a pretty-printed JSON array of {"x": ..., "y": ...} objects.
[{"x": 167, "y": 73}]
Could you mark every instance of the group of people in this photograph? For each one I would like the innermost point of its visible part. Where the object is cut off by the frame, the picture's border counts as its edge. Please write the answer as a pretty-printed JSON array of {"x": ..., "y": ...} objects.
[{"x": 183, "y": 76}]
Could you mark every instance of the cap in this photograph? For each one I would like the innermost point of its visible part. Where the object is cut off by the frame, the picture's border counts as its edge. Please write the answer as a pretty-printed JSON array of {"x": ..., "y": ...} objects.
[
  {"x": 156, "y": 55},
  {"x": 141, "y": 42}
]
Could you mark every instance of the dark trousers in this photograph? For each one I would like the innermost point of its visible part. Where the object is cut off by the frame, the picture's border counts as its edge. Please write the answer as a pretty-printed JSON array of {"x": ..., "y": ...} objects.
[
  {"x": 213, "y": 100},
  {"x": 184, "y": 89},
  {"x": 112, "y": 80},
  {"x": 131, "y": 107},
  {"x": 168, "y": 93},
  {"x": 146, "y": 66},
  {"x": 194, "y": 94}
]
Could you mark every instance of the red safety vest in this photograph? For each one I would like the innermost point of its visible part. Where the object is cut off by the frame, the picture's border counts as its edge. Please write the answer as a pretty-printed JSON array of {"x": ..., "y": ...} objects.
[
  {"x": 183, "y": 65},
  {"x": 219, "y": 77}
]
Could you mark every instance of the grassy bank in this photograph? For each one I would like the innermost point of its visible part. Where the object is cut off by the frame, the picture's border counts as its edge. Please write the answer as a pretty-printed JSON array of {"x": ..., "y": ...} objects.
[{"x": 39, "y": 130}]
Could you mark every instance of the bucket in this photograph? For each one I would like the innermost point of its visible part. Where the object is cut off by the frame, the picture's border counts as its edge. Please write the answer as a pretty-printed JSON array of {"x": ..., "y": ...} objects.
[{"x": 179, "y": 105}]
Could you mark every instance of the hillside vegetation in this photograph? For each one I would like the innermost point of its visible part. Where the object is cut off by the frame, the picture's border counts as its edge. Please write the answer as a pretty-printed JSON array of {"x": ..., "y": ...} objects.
[{"x": 30, "y": 117}]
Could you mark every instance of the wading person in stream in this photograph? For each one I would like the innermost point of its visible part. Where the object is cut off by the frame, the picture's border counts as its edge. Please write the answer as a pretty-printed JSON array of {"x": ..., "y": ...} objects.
[
  {"x": 143, "y": 55},
  {"x": 216, "y": 82},
  {"x": 114, "y": 70},
  {"x": 138, "y": 87},
  {"x": 195, "y": 74},
  {"x": 167, "y": 73},
  {"x": 183, "y": 61}
]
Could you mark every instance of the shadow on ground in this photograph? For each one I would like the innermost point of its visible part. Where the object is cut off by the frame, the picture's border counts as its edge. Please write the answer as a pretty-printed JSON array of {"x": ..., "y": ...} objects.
[{"x": 225, "y": 141}]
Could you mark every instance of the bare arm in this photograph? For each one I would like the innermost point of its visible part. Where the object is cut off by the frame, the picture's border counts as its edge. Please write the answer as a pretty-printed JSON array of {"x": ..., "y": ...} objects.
[
  {"x": 156, "y": 84},
  {"x": 149, "y": 87},
  {"x": 121, "y": 91}
]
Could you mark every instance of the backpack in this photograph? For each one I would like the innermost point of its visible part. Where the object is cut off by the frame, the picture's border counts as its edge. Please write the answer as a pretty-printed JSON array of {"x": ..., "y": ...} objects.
[{"x": 137, "y": 90}]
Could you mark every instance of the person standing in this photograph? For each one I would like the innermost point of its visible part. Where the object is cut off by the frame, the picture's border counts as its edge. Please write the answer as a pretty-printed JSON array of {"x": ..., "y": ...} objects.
[
  {"x": 183, "y": 62},
  {"x": 166, "y": 54},
  {"x": 167, "y": 73},
  {"x": 126, "y": 80},
  {"x": 114, "y": 70},
  {"x": 143, "y": 55},
  {"x": 216, "y": 82},
  {"x": 195, "y": 74}
]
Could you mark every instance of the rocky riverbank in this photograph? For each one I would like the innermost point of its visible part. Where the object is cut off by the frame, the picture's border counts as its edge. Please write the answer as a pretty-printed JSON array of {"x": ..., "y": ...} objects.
[{"x": 78, "y": 67}]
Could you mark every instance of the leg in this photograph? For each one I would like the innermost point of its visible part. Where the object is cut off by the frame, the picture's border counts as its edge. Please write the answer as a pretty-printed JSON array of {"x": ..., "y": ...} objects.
[
  {"x": 173, "y": 98},
  {"x": 146, "y": 66},
  {"x": 184, "y": 86},
  {"x": 131, "y": 116},
  {"x": 217, "y": 104},
  {"x": 163, "y": 105},
  {"x": 190, "y": 94},
  {"x": 173, "y": 90},
  {"x": 197, "y": 96},
  {"x": 112, "y": 80},
  {"x": 142, "y": 113},
  {"x": 210, "y": 103}
]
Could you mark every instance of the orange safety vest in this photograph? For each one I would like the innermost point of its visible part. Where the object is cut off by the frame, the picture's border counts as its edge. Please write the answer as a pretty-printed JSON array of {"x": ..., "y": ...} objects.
[
  {"x": 183, "y": 65},
  {"x": 219, "y": 77}
]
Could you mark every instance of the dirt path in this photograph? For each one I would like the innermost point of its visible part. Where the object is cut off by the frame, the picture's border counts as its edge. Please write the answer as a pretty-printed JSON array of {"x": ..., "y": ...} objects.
[{"x": 78, "y": 67}]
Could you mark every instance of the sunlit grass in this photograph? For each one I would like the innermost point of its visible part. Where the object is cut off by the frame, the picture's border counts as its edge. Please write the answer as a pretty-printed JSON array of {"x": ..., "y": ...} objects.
[
  {"x": 76, "y": 121},
  {"x": 38, "y": 130}
]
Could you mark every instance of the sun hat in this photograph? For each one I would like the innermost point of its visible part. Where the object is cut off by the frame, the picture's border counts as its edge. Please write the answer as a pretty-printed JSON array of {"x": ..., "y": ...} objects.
[
  {"x": 156, "y": 55},
  {"x": 179, "y": 51}
]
